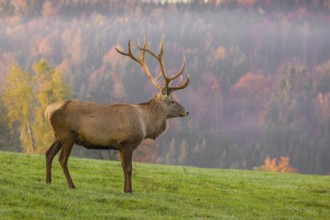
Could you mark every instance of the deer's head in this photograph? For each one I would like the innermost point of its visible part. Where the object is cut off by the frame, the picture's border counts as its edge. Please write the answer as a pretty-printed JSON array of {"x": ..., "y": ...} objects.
[{"x": 171, "y": 106}]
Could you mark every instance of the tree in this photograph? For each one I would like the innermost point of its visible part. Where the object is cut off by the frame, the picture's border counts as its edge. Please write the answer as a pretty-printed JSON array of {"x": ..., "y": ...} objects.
[
  {"x": 321, "y": 76},
  {"x": 273, "y": 165},
  {"x": 6, "y": 137},
  {"x": 49, "y": 9},
  {"x": 250, "y": 96},
  {"x": 321, "y": 80},
  {"x": 17, "y": 99},
  {"x": 291, "y": 126},
  {"x": 25, "y": 99},
  {"x": 48, "y": 88},
  {"x": 229, "y": 65},
  {"x": 292, "y": 97},
  {"x": 207, "y": 102}
]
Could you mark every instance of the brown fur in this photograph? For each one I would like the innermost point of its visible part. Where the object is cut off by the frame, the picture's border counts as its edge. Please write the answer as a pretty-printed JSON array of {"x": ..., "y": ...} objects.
[{"x": 119, "y": 126}]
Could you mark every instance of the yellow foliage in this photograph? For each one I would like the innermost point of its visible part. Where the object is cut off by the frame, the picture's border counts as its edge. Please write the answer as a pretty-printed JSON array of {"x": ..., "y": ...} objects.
[{"x": 25, "y": 98}]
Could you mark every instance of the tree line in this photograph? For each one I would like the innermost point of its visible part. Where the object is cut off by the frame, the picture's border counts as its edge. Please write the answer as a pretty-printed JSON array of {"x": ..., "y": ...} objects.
[{"x": 260, "y": 75}]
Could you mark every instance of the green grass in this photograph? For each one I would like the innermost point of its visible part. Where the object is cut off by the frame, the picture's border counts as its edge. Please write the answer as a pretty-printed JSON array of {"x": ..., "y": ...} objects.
[{"x": 160, "y": 192}]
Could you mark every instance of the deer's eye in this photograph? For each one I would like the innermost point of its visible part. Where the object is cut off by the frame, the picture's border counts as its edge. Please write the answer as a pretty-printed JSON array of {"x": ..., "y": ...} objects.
[{"x": 172, "y": 102}]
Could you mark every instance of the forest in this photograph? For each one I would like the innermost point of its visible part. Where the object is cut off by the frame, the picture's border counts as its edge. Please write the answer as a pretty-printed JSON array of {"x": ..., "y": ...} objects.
[{"x": 259, "y": 70}]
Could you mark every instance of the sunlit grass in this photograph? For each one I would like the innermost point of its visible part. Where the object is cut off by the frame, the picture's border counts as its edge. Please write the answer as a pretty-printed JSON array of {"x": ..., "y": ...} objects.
[{"x": 160, "y": 192}]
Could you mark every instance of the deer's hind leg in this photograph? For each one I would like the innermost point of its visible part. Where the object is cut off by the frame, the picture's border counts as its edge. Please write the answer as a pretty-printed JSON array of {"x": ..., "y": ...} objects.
[
  {"x": 50, "y": 154},
  {"x": 63, "y": 158}
]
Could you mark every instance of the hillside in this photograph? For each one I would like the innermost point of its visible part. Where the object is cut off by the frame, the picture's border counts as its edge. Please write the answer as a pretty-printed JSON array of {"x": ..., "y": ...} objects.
[
  {"x": 160, "y": 192},
  {"x": 259, "y": 69}
]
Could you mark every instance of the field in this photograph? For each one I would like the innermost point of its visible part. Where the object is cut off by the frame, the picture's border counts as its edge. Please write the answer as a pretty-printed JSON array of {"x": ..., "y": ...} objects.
[{"x": 160, "y": 192}]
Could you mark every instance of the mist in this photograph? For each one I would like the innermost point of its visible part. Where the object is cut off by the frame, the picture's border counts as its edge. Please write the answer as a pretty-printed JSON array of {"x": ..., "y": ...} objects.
[{"x": 260, "y": 73}]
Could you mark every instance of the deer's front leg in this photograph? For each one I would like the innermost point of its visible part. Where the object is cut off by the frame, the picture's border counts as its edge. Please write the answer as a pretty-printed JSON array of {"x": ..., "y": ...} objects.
[{"x": 126, "y": 163}]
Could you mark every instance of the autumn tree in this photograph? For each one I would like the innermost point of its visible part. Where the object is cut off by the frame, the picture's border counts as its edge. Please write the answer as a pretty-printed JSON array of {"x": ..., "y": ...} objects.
[
  {"x": 105, "y": 83},
  {"x": 230, "y": 65},
  {"x": 48, "y": 88},
  {"x": 25, "y": 99},
  {"x": 291, "y": 100},
  {"x": 7, "y": 142},
  {"x": 290, "y": 117},
  {"x": 49, "y": 8},
  {"x": 274, "y": 165},
  {"x": 250, "y": 97},
  {"x": 17, "y": 99},
  {"x": 146, "y": 152}
]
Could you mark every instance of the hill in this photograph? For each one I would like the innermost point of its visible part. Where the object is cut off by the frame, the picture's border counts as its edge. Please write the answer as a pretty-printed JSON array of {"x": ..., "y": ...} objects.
[
  {"x": 260, "y": 74},
  {"x": 160, "y": 192}
]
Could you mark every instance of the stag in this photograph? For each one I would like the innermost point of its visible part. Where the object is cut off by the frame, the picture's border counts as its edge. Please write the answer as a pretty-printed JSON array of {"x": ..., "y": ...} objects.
[{"x": 120, "y": 127}]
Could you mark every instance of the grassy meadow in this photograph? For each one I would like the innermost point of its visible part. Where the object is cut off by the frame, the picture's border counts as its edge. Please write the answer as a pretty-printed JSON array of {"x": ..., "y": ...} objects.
[{"x": 159, "y": 192}]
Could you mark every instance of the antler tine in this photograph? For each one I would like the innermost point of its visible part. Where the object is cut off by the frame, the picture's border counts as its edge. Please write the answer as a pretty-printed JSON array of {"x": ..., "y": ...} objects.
[
  {"x": 161, "y": 46},
  {"x": 141, "y": 61},
  {"x": 161, "y": 62},
  {"x": 146, "y": 48},
  {"x": 181, "y": 86},
  {"x": 129, "y": 53},
  {"x": 180, "y": 72},
  {"x": 142, "y": 53}
]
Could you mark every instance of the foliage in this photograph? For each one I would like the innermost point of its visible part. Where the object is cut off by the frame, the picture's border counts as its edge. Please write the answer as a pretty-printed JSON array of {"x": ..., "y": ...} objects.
[
  {"x": 292, "y": 98},
  {"x": 25, "y": 99},
  {"x": 260, "y": 73},
  {"x": 251, "y": 93},
  {"x": 160, "y": 192},
  {"x": 17, "y": 99},
  {"x": 274, "y": 165},
  {"x": 146, "y": 152},
  {"x": 7, "y": 140}
]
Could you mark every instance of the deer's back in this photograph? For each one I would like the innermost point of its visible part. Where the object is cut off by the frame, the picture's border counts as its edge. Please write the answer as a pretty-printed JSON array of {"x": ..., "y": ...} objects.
[{"x": 96, "y": 124}]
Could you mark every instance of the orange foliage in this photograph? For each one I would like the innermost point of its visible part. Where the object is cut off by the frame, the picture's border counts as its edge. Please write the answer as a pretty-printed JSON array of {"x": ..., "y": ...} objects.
[
  {"x": 251, "y": 94},
  {"x": 217, "y": 55},
  {"x": 252, "y": 87},
  {"x": 146, "y": 152},
  {"x": 281, "y": 165}
]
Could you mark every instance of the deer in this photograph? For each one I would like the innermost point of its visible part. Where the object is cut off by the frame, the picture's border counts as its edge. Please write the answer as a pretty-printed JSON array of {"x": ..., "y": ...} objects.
[{"x": 120, "y": 126}]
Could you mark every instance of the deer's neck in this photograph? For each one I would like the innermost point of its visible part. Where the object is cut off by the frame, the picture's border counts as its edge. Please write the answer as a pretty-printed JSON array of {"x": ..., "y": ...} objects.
[{"x": 154, "y": 117}]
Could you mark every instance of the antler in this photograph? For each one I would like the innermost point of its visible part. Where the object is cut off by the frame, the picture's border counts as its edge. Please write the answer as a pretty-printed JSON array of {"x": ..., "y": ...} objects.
[
  {"x": 142, "y": 62},
  {"x": 167, "y": 89}
]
